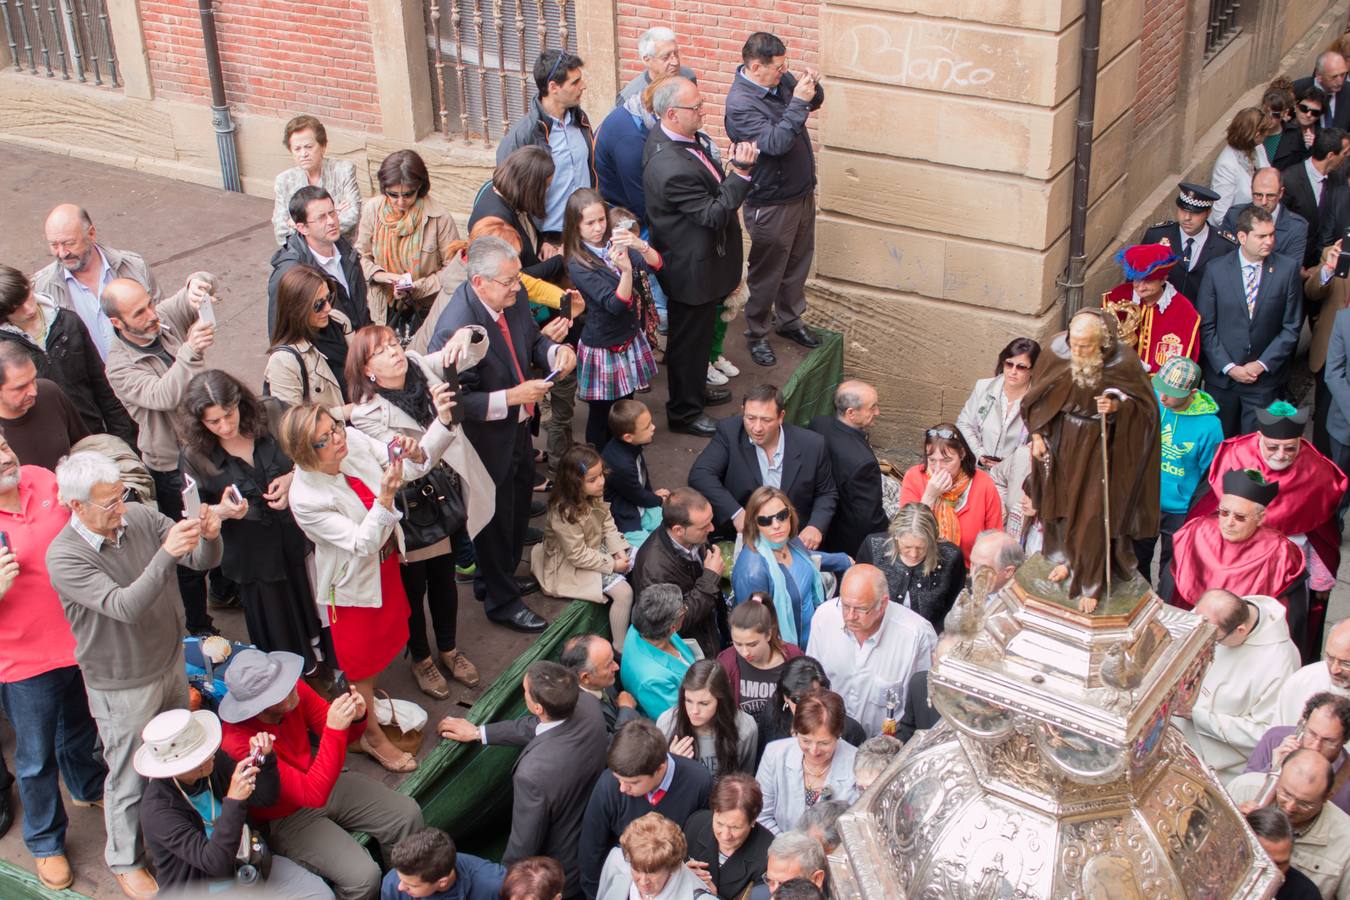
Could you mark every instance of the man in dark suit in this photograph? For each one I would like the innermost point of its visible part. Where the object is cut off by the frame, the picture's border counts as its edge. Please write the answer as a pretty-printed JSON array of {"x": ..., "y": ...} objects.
[
  {"x": 1251, "y": 310},
  {"x": 564, "y": 739},
  {"x": 1291, "y": 229},
  {"x": 317, "y": 241},
  {"x": 1191, "y": 237},
  {"x": 758, "y": 449},
  {"x": 1310, "y": 191},
  {"x": 691, "y": 211},
  {"x": 591, "y": 659},
  {"x": 498, "y": 402},
  {"x": 857, "y": 474},
  {"x": 1329, "y": 75}
]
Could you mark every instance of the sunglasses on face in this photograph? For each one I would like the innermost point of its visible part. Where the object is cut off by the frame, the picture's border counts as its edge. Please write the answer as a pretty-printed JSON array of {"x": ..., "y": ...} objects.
[
  {"x": 400, "y": 195},
  {"x": 1309, "y": 110},
  {"x": 765, "y": 521},
  {"x": 1021, "y": 367},
  {"x": 323, "y": 303}
]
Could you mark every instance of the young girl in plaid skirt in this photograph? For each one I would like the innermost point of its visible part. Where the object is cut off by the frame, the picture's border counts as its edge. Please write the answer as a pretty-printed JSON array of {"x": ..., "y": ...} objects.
[{"x": 609, "y": 267}]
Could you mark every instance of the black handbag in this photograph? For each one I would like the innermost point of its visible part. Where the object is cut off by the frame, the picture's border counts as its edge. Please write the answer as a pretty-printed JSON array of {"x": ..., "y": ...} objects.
[{"x": 432, "y": 508}]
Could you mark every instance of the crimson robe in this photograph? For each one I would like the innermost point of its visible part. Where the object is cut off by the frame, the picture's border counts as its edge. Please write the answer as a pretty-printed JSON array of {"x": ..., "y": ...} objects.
[
  {"x": 1163, "y": 333},
  {"x": 1310, "y": 491},
  {"x": 1267, "y": 563}
]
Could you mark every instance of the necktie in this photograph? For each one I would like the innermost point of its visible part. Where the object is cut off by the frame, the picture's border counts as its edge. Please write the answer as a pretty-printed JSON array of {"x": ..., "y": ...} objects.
[
  {"x": 1253, "y": 285},
  {"x": 1186, "y": 252},
  {"x": 515, "y": 360},
  {"x": 655, "y": 796},
  {"x": 703, "y": 158}
]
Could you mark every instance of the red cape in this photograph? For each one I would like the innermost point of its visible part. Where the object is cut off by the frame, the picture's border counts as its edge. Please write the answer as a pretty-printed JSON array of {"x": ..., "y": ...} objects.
[
  {"x": 1162, "y": 335},
  {"x": 1268, "y": 563},
  {"x": 1310, "y": 491}
]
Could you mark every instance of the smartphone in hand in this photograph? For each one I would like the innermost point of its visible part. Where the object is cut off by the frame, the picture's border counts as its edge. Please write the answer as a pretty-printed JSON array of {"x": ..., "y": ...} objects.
[
  {"x": 450, "y": 374},
  {"x": 192, "y": 498},
  {"x": 396, "y": 451},
  {"x": 206, "y": 312}
]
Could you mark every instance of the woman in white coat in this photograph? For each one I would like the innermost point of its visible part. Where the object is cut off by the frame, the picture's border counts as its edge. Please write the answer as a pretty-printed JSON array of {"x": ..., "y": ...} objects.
[
  {"x": 814, "y": 764},
  {"x": 991, "y": 420},
  {"x": 1242, "y": 155},
  {"x": 389, "y": 393},
  {"x": 342, "y": 497}
]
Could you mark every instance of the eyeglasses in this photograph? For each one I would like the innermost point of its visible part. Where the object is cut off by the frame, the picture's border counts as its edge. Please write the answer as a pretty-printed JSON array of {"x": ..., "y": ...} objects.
[
  {"x": 771, "y": 883},
  {"x": 1311, "y": 740},
  {"x": 330, "y": 216},
  {"x": 765, "y": 521},
  {"x": 1256, "y": 195},
  {"x": 849, "y": 610},
  {"x": 1308, "y": 110},
  {"x": 1235, "y": 516},
  {"x": 697, "y": 107},
  {"x": 126, "y": 496},
  {"x": 943, "y": 433},
  {"x": 1335, "y": 662},
  {"x": 400, "y": 195},
  {"x": 323, "y": 302},
  {"x": 508, "y": 283},
  {"x": 327, "y": 437},
  {"x": 1284, "y": 798},
  {"x": 1021, "y": 367}
]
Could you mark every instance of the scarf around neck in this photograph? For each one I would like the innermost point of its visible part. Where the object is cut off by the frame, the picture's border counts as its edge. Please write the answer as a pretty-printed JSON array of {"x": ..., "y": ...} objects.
[
  {"x": 949, "y": 526},
  {"x": 397, "y": 243},
  {"x": 414, "y": 398},
  {"x": 782, "y": 597}
]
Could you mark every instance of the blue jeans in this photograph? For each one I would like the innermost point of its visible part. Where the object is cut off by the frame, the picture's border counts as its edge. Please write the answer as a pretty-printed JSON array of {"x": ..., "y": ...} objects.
[{"x": 54, "y": 732}]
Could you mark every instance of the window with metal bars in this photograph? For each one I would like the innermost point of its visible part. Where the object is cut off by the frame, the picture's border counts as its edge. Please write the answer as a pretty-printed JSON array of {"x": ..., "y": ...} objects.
[
  {"x": 70, "y": 39},
  {"x": 481, "y": 55},
  {"x": 1223, "y": 25}
]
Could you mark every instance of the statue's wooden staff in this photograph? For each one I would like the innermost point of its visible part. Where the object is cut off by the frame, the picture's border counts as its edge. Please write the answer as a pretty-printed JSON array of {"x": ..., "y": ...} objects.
[{"x": 1106, "y": 505}]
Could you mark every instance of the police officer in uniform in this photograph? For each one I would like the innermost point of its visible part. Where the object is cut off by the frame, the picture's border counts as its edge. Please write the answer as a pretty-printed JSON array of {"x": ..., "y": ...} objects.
[{"x": 1191, "y": 237}]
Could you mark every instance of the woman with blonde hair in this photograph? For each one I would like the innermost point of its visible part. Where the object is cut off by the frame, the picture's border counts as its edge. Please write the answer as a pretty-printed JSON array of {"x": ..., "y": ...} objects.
[
  {"x": 923, "y": 572},
  {"x": 649, "y": 863},
  {"x": 1242, "y": 155}
]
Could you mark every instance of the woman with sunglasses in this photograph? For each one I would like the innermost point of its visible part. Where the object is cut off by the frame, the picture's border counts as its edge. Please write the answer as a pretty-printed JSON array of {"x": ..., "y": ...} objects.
[
  {"x": 390, "y": 390},
  {"x": 405, "y": 242},
  {"x": 963, "y": 499},
  {"x": 991, "y": 420},
  {"x": 342, "y": 497},
  {"x": 308, "y": 356},
  {"x": 1303, "y": 127},
  {"x": 774, "y": 560}
]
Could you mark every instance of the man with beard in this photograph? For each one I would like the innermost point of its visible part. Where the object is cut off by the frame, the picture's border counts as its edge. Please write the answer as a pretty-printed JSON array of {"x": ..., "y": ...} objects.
[
  {"x": 156, "y": 352},
  {"x": 1087, "y": 375},
  {"x": 1234, "y": 550},
  {"x": 82, "y": 268},
  {"x": 1154, "y": 317},
  {"x": 1310, "y": 490}
]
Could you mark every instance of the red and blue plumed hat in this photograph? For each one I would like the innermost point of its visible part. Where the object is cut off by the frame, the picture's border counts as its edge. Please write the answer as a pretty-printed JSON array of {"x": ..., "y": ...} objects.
[{"x": 1146, "y": 262}]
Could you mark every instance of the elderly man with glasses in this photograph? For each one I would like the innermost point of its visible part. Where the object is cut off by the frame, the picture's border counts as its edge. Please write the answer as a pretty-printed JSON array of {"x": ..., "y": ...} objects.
[
  {"x": 1252, "y": 657},
  {"x": 869, "y": 646},
  {"x": 1321, "y": 830},
  {"x": 1323, "y": 727},
  {"x": 1330, "y": 673},
  {"x": 113, "y": 567}
]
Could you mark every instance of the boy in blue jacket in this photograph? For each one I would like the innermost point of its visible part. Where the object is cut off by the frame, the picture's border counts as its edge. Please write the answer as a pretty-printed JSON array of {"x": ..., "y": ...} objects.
[{"x": 426, "y": 864}]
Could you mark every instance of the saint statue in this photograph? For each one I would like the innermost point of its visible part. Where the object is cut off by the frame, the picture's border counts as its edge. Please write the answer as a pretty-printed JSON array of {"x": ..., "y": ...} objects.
[{"x": 1095, "y": 486}]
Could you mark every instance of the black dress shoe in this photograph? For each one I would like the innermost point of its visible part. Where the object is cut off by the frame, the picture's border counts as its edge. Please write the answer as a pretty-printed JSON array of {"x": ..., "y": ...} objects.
[
  {"x": 6, "y": 812},
  {"x": 521, "y": 620},
  {"x": 537, "y": 508},
  {"x": 528, "y": 584},
  {"x": 533, "y": 536},
  {"x": 716, "y": 396},
  {"x": 703, "y": 427},
  {"x": 762, "y": 353},
  {"x": 802, "y": 335}
]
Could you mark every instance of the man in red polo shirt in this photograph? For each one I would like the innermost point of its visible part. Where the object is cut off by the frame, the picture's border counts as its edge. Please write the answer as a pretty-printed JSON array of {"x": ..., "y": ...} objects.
[{"x": 1155, "y": 319}]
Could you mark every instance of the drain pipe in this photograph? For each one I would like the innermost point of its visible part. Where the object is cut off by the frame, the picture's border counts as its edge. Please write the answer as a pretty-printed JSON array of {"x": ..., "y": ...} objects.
[
  {"x": 1082, "y": 162},
  {"x": 220, "y": 111}
]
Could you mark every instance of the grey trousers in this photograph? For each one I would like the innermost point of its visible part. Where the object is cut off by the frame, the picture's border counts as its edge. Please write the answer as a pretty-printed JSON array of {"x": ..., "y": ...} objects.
[
  {"x": 782, "y": 245},
  {"x": 285, "y": 880},
  {"x": 120, "y": 716},
  {"x": 321, "y": 841}
]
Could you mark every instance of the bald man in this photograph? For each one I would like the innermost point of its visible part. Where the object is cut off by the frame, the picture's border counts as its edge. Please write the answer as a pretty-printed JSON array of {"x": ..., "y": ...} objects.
[
  {"x": 1330, "y": 673},
  {"x": 1253, "y": 655},
  {"x": 857, "y": 474},
  {"x": 869, "y": 646},
  {"x": 1291, "y": 229},
  {"x": 81, "y": 268},
  {"x": 1321, "y": 830},
  {"x": 156, "y": 351},
  {"x": 999, "y": 551}
]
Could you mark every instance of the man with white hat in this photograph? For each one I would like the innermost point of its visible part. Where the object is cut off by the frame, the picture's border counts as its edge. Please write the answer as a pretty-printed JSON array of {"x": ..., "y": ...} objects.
[
  {"x": 319, "y": 805},
  {"x": 193, "y": 812}
]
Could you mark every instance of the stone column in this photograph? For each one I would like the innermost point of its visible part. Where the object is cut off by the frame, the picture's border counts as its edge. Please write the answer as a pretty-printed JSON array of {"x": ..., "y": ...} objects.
[
  {"x": 399, "y": 38},
  {"x": 133, "y": 64},
  {"x": 596, "y": 43},
  {"x": 945, "y": 182}
]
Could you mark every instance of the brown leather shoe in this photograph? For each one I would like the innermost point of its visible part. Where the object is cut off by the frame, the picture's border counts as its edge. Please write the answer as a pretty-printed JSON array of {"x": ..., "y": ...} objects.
[
  {"x": 430, "y": 679},
  {"x": 463, "y": 671},
  {"x": 54, "y": 872},
  {"x": 138, "y": 884}
]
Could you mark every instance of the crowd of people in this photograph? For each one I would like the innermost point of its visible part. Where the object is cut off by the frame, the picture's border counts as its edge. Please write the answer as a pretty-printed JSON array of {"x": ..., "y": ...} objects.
[{"x": 773, "y": 616}]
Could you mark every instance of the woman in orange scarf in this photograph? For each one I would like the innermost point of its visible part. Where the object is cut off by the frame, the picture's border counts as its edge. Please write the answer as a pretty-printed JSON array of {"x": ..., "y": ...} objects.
[
  {"x": 404, "y": 239},
  {"x": 963, "y": 499}
]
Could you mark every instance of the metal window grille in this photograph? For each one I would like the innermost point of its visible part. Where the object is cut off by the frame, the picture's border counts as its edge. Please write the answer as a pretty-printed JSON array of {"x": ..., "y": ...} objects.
[
  {"x": 1223, "y": 25},
  {"x": 481, "y": 55},
  {"x": 72, "y": 38}
]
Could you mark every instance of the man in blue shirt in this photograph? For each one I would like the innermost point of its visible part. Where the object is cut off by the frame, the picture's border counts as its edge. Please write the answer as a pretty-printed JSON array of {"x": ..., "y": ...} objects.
[{"x": 426, "y": 864}]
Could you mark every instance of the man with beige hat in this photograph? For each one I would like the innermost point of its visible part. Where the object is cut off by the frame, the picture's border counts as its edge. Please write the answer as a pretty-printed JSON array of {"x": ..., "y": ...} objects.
[{"x": 195, "y": 805}]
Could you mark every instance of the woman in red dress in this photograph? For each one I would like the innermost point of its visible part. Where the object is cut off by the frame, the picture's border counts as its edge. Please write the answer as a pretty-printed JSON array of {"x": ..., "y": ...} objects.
[{"x": 342, "y": 497}]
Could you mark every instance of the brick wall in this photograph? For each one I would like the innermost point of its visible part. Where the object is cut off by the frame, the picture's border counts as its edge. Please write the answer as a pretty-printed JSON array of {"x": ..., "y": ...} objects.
[
  {"x": 1159, "y": 59},
  {"x": 711, "y": 40},
  {"x": 278, "y": 57}
]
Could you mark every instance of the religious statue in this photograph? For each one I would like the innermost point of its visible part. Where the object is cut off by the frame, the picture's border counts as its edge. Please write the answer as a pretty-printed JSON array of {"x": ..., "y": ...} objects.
[{"x": 1093, "y": 420}]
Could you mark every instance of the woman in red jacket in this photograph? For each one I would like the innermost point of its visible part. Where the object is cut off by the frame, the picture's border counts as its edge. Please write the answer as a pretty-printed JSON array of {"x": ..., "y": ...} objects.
[{"x": 963, "y": 499}]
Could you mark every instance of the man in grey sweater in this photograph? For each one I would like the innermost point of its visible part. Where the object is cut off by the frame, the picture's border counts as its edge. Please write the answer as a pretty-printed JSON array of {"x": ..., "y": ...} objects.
[{"x": 113, "y": 566}]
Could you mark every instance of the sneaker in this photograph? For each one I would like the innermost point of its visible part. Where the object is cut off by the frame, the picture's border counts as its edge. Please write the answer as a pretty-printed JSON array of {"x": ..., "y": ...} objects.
[
  {"x": 715, "y": 377},
  {"x": 724, "y": 366},
  {"x": 465, "y": 574}
]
